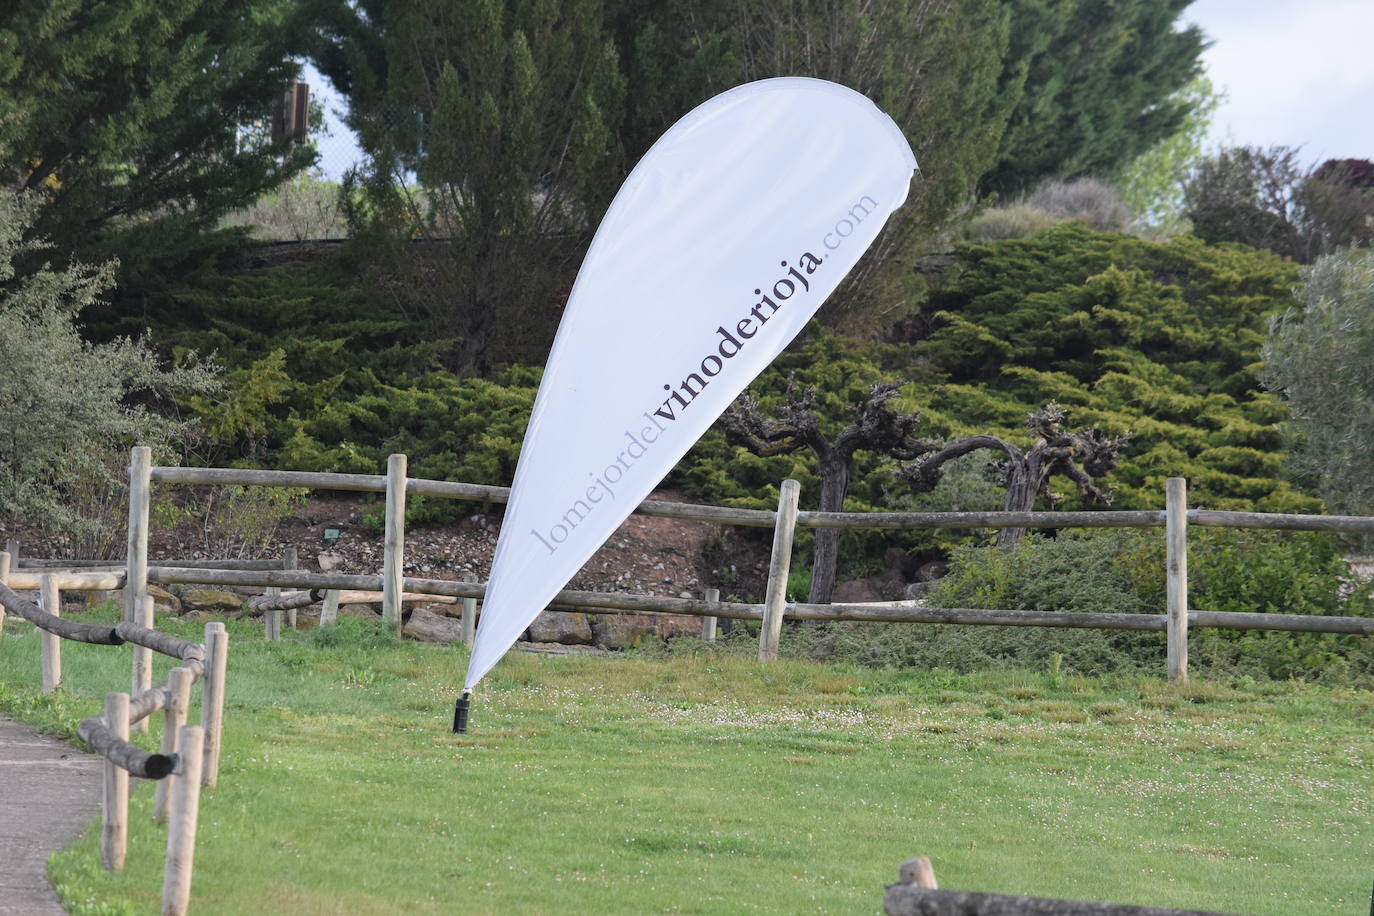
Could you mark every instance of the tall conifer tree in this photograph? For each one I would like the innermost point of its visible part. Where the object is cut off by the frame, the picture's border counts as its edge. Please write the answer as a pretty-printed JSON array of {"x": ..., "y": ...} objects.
[{"x": 142, "y": 117}]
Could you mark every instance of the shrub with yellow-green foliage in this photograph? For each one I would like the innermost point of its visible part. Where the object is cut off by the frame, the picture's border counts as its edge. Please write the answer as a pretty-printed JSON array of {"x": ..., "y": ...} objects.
[{"x": 1159, "y": 339}]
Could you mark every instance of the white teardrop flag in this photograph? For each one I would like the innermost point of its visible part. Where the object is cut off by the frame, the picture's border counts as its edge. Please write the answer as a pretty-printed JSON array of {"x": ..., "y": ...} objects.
[{"x": 720, "y": 246}]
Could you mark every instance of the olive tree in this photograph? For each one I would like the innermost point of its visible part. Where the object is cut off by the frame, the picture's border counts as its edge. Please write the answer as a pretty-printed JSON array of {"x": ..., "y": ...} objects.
[
  {"x": 71, "y": 408},
  {"x": 1320, "y": 359}
]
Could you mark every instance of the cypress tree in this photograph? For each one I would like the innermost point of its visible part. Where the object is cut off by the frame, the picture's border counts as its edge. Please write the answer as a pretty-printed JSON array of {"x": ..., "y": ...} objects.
[
  {"x": 142, "y": 122},
  {"x": 1101, "y": 87}
]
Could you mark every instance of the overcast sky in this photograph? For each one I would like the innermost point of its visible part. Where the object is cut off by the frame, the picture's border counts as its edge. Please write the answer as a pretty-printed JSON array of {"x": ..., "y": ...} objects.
[{"x": 1296, "y": 73}]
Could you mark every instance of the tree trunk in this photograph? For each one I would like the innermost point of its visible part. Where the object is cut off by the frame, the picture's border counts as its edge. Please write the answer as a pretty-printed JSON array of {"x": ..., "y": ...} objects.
[
  {"x": 1023, "y": 483},
  {"x": 1021, "y": 490},
  {"x": 834, "y": 487}
]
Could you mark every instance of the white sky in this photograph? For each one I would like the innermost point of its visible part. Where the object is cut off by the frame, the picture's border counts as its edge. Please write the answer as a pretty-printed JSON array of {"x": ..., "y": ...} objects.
[{"x": 1296, "y": 73}]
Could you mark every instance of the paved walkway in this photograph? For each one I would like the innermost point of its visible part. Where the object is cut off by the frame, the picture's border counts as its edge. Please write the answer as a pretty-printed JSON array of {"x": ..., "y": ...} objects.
[{"x": 49, "y": 792}]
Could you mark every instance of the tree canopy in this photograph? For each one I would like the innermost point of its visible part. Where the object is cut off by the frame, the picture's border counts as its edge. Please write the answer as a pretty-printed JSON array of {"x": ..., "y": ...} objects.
[
  {"x": 1320, "y": 359},
  {"x": 1102, "y": 86},
  {"x": 131, "y": 118}
]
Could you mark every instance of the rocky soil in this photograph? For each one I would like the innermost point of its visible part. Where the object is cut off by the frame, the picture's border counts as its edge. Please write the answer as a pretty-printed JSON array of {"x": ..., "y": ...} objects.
[{"x": 646, "y": 556}]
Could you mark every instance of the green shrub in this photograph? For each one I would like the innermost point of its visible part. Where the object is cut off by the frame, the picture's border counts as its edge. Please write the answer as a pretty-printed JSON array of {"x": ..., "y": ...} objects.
[
  {"x": 1073, "y": 572},
  {"x": 1123, "y": 571}
]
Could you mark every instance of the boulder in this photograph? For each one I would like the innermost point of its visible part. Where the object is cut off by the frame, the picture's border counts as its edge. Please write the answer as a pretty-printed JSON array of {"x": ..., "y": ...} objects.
[
  {"x": 563, "y": 627},
  {"x": 929, "y": 572},
  {"x": 855, "y": 591},
  {"x": 918, "y": 590},
  {"x": 427, "y": 626},
  {"x": 330, "y": 561},
  {"x": 625, "y": 631},
  {"x": 164, "y": 602},
  {"x": 213, "y": 600},
  {"x": 365, "y": 611}
]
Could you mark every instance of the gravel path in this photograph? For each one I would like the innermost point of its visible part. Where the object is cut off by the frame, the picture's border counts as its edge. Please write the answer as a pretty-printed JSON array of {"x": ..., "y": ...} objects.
[{"x": 49, "y": 792}]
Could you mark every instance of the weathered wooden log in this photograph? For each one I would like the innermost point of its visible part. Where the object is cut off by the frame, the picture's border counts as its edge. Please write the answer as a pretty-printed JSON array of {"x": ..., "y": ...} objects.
[
  {"x": 708, "y": 624},
  {"x": 109, "y": 565},
  {"x": 178, "y": 692},
  {"x": 212, "y": 698},
  {"x": 142, "y": 678},
  {"x": 393, "y": 541},
  {"x": 114, "y": 807},
  {"x": 4, "y": 580},
  {"x": 51, "y": 643},
  {"x": 280, "y": 601},
  {"x": 361, "y": 483},
  {"x": 181, "y": 831},
  {"x": 329, "y": 611},
  {"x": 1293, "y": 623},
  {"x": 910, "y": 900},
  {"x": 120, "y": 752},
  {"x": 616, "y": 602},
  {"x": 147, "y": 703},
  {"x": 1176, "y": 577},
  {"x": 158, "y": 641},
  {"x": 780, "y": 563},
  {"x": 1348, "y": 524},
  {"x": 140, "y": 502},
  {"x": 67, "y": 629},
  {"x": 1146, "y": 518},
  {"x": 977, "y": 617},
  {"x": 69, "y": 581}
]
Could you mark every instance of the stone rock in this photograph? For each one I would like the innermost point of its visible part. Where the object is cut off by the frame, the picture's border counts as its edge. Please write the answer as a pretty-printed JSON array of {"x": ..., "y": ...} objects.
[
  {"x": 563, "y": 627},
  {"x": 855, "y": 591},
  {"x": 898, "y": 559},
  {"x": 197, "y": 616},
  {"x": 214, "y": 600},
  {"x": 891, "y": 584},
  {"x": 929, "y": 572},
  {"x": 625, "y": 631},
  {"x": 164, "y": 602},
  {"x": 330, "y": 561},
  {"x": 428, "y": 626},
  {"x": 918, "y": 590},
  {"x": 365, "y": 611}
]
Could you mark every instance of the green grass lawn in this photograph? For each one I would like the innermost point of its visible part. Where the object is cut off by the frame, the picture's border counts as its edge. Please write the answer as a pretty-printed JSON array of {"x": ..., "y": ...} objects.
[{"x": 701, "y": 782}]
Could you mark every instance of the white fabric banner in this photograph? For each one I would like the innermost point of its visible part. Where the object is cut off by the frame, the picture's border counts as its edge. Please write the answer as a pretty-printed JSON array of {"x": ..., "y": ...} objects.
[{"x": 720, "y": 246}]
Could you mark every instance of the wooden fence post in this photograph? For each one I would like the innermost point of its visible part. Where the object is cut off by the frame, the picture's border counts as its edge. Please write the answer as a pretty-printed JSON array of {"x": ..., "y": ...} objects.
[
  {"x": 140, "y": 487},
  {"x": 212, "y": 697},
  {"x": 143, "y": 662},
  {"x": 708, "y": 624},
  {"x": 393, "y": 546},
  {"x": 469, "y": 616},
  {"x": 5, "y": 558},
  {"x": 775, "y": 602},
  {"x": 329, "y": 612},
  {"x": 181, "y": 834},
  {"x": 179, "y": 681},
  {"x": 1176, "y": 584},
  {"x": 50, "y": 643},
  {"x": 114, "y": 829},
  {"x": 289, "y": 560}
]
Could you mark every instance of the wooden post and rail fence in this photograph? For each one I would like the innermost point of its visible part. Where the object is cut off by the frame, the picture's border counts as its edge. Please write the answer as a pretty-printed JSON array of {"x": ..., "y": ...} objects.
[
  {"x": 189, "y": 754},
  {"x": 395, "y": 588}
]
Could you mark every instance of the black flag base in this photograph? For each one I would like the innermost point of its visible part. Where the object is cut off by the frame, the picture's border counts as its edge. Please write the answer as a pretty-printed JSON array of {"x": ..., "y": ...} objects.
[{"x": 460, "y": 713}]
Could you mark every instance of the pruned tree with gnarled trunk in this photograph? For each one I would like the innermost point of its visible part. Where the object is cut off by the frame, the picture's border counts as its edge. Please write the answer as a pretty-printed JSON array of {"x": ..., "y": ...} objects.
[
  {"x": 1079, "y": 455},
  {"x": 876, "y": 428}
]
